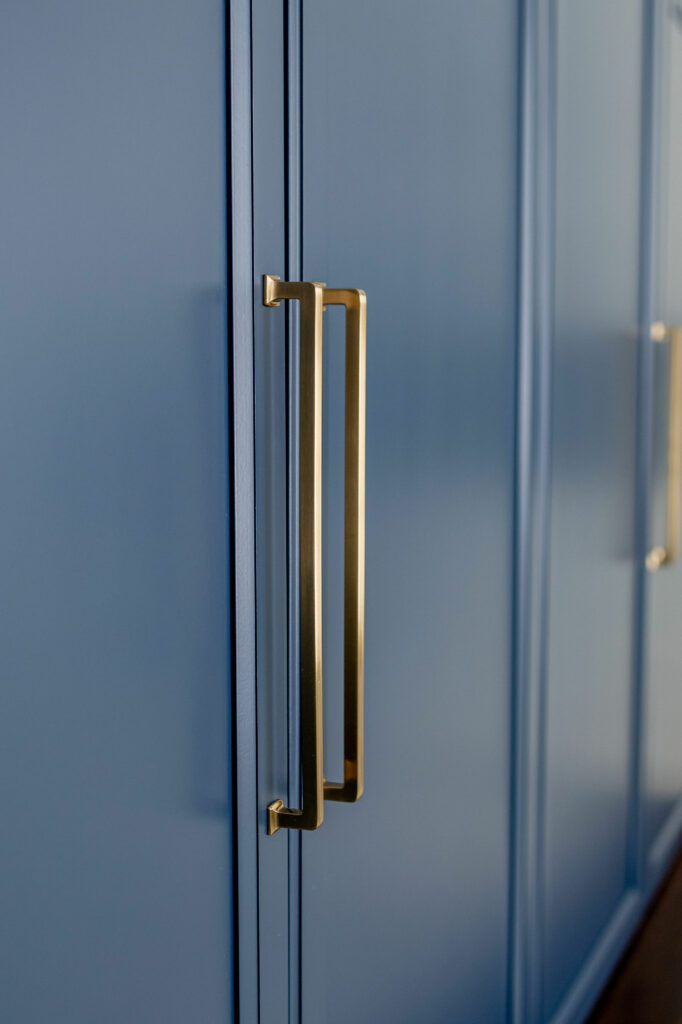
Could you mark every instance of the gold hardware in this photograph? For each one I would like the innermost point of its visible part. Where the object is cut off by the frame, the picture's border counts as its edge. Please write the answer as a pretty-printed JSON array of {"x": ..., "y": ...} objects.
[
  {"x": 659, "y": 557},
  {"x": 351, "y": 788},
  {"x": 309, "y": 294},
  {"x": 659, "y": 331}
]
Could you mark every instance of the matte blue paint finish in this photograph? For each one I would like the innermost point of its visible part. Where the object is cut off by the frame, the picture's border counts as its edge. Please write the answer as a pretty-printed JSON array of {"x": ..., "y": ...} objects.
[
  {"x": 115, "y": 857},
  {"x": 244, "y": 762},
  {"x": 592, "y": 553},
  {"x": 405, "y": 894},
  {"x": 272, "y": 489},
  {"x": 663, "y": 699},
  {"x": 532, "y": 486},
  {"x": 409, "y": 135}
]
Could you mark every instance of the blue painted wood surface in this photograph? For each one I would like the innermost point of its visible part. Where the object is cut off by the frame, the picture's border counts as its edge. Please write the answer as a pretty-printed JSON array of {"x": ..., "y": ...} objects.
[
  {"x": 369, "y": 125},
  {"x": 115, "y": 853},
  {"x": 243, "y": 606},
  {"x": 421, "y": 211},
  {"x": 662, "y": 763},
  {"x": 477, "y": 170},
  {"x": 592, "y": 556},
  {"x": 410, "y": 192}
]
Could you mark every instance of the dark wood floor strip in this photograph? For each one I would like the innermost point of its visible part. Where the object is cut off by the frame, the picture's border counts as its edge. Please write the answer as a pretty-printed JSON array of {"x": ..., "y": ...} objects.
[{"x": 647, "y": 987}]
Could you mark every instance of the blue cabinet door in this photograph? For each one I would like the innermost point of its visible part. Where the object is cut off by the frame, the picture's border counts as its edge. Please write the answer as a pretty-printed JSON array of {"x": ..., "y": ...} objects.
[
  {"x": 394, "y": 171},
  {"x": 592, "y": 566},
  {"x": 114, "y": 858},
  {"x": 662, "y": 808}
]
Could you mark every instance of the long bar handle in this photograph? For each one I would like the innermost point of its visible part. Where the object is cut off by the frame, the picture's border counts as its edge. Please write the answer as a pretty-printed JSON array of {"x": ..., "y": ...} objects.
[
  {"x": 352, "y": 786},
  {"x": 309, "y": 294},
  {"x": 660, "y": 557}
]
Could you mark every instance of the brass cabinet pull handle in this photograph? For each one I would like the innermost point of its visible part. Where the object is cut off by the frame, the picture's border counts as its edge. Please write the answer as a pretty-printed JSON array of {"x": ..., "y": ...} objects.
[
  {"x": 309, "y": 294},
  {"x": 351, "y": 788},
  {"x": 659, "y": 557}
]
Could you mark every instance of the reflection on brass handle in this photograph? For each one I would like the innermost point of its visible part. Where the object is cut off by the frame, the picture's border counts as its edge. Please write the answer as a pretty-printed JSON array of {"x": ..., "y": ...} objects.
[
  {"x": 354, "y": 547},
  {"x": 659, "y": 557},
  {"x": 309, "y": 294}
]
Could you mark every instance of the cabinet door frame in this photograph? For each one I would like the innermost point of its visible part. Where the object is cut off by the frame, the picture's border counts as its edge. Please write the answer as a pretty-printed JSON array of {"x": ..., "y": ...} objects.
[{"x": 241, "y": 446}]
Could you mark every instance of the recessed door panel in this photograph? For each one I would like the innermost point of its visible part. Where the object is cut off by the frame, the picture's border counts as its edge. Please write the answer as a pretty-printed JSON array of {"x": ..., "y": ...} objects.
[
  {"x": 409, "y": 129},
  {"x": 590, "y": 622}
]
